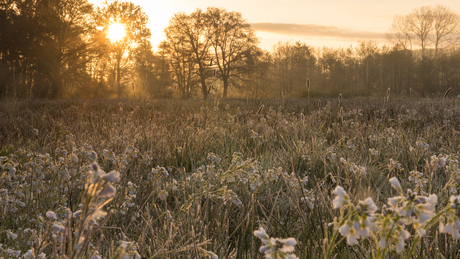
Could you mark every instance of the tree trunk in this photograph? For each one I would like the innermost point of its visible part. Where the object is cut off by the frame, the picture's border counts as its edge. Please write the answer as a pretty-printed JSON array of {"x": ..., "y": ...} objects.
[
  {"x": 204, "y": 89},
  {"x": 57, "y": 80},
  {"x": 118, "y": 76},
  {"x": 225, "y": 81}
]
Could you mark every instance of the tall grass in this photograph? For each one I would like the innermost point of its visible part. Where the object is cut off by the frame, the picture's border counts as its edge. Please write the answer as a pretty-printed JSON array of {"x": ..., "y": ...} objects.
[{"x": 198, "y": 178}]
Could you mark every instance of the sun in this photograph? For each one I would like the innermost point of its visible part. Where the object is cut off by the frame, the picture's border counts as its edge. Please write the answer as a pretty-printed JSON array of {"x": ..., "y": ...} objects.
[{"x": 116, "y": 32}]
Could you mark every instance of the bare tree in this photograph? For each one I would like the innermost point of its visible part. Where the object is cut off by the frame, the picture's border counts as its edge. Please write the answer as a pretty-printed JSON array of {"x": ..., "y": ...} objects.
[
  {"x": 213, "y": 39},
  {"x": 179, "y": 56},
  {"x": 420, "y": 23},
  {"x": 426, "y": 26},
  {"x": 192, "y": 31},
  {"x": 400, "y": 32},
  {"x": 233, "y": 40},
  {"x": 446, "y": 27}
]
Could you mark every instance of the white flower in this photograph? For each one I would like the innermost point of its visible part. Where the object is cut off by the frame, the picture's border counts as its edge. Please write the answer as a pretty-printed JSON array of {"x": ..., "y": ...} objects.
[
  {"x": 165, "y": 173},
  {"x": 11, "y": 235},
  {"x": 29, "y": 254},
  {"x": 431, "y": 203},
  {"x": 450, "y": 228},
  {"x": 125, "y": 244},
  {"x": 350, "y": 233},
  {"x": 341, "y": 198},
  {"x": 51, "y": 215},
  {"x": 419, "y": 229},
  {"x": 344, "y": 230},
  {"x": 108, "y": 191},
  {"x": 112, "y": 176},
  {"x": 288, "y": 244},
  {"x": 77, "y": 213},
  {"x": 394, "y": 201},
  {"x": 422, "y": 218},
  {"x": 425, "y": 211},
  {"x": 12, "y": 171},
  {"x": 402, "y": 235},
  {"x": 370, "y": 205},
  {"x": 275, "y": 247},
  {"x": 405, "y": 211},
  {"x": 261, "y": 233},
  {"x": 58, "y": 228},
  {"x": 395, "y": 183},
  {"x": 399, "y": 245}
]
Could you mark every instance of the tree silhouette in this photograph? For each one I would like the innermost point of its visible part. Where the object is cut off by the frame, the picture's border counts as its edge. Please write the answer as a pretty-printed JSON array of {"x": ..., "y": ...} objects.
[
  {"x": 177, "y": 51},
  {"x": 208, "y": 42},
  {"x": 190, "y": 36},
  {"x": 135, "y": 21},
  {"x": 45, "y": 39},
  {"x": 61, "y": 47},
  {"x": 232, "y": 38},
  {"x": 426, "y": 25}
]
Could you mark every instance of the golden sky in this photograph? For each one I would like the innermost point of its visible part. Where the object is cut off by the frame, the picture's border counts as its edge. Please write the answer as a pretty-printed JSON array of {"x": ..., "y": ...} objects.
[{"x": 331, "y": 23}]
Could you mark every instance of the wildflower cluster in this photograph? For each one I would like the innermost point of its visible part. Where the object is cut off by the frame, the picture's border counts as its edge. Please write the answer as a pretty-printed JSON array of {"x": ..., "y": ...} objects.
[
  {"x": 353, "y": 168},
  {"x": 360, "y": 220},
  {"x": 373, "y": 151},
  {"x": 419, "y": 180},
  {"x": 394, "y": 166},
  {"x": 298, "y": 187},
  {"x": 28, "y": 176},
  {"x": 422, "y": 144},
  {"x": 388, "y": 227},
  {"x": 275, "y": 247}
]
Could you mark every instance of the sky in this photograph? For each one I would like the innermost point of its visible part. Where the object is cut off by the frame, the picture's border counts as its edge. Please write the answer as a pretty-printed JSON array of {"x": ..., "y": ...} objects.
[{"x": 330, "y": 23}]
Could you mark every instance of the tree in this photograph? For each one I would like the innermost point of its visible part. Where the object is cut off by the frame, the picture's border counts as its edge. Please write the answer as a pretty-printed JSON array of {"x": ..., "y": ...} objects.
[
  {"x": 368, "y": 54},
  {"x": 427, "y": 25},
  {"x": 446, "y": 27},
  {"x": 398, "y": 69},
  {"x": 134, "y": 21},
  {"x": 177, "y": 50},
  {"x": 232, "y": 38},
  {"x": 46, "y": 39},
  {"x": 293, "y": 64},
  {"x": 400, "y": 32},
  {"x": 61, "y": 45},
  {"x": 188, "y": 38},
  {"x": 204, "y": 42},
  {"x": 153, "y": 70},
  {"x": 420, "y": 23},
  {"x": 16, "y": 32}
]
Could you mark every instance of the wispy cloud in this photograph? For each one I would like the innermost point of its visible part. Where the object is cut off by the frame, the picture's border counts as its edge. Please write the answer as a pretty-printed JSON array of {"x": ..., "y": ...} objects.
[{"x": 314, "y": 30}]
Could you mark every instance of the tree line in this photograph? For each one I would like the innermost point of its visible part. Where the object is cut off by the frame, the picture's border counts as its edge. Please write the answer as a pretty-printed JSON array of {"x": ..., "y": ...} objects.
[{"x": 61, "y": 48}]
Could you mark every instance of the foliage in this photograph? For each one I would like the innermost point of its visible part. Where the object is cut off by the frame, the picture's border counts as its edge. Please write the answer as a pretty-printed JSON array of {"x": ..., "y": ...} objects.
[{"x": 64, "y": 51}]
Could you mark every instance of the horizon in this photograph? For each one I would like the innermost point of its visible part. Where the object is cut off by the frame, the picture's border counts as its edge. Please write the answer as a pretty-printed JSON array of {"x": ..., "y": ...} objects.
[{"x": 318, "y": 24}]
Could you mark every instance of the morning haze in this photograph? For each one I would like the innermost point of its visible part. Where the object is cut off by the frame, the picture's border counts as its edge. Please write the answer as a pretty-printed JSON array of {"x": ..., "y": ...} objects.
[
  {"x": 187, "y": 49},
  {"x": 229, "y": 129},
  {"x": 359, "y": 18}
]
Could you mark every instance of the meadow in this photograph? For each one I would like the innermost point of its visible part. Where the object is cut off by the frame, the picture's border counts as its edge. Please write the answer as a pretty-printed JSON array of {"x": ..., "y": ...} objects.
[{"x": 216, "y": 178}]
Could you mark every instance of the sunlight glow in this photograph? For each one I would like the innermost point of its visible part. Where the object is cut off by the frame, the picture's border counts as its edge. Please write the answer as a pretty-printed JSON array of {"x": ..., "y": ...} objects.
[{"x": 116, "y": 32}]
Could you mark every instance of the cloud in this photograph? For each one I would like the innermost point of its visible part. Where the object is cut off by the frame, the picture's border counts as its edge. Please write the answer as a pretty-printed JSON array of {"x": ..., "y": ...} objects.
[{"x": 314, "y": 30}]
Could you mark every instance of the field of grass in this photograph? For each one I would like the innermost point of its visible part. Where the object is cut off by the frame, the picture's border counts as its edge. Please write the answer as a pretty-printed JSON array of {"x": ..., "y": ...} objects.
[{"x": 197, "y": 178}]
